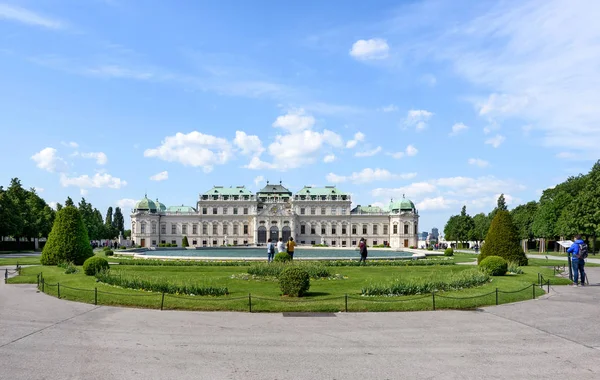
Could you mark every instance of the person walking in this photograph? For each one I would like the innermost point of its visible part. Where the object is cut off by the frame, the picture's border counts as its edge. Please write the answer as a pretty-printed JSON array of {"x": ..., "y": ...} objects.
[
  {"x": 270, "y": 250},
  {"x": 291, "y": 245},
  {"x": 280, "y": 246},
  {"x": 578, "y": 252},
  {"x": 362, "y": 246}
]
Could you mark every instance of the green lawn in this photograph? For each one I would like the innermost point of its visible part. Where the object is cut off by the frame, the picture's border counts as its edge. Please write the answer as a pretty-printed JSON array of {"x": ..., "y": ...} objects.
[
  {"x": 324, "y": 295},
  {"x": 20, "y": 261}
]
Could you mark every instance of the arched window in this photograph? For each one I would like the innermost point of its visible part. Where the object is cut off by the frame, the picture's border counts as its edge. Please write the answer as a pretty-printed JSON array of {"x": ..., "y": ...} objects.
[{"x": 143, "y": 224}]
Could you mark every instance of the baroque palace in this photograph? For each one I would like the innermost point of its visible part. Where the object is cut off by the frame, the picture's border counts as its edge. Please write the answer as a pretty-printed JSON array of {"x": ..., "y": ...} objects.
[{"x": 236, "y": 216}]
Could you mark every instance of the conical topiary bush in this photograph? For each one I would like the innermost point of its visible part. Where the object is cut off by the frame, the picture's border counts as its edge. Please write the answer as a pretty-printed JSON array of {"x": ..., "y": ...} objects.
[
  {"x": 503, "y": 240},
  {"x": 68, "y": 241},
  {"x": 184, "y": 242}
]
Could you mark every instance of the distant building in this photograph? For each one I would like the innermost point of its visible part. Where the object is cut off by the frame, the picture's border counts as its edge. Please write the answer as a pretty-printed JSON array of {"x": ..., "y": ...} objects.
[
  {"x": 237, "y": 216},
  {"x": 434, "y": 233},
  {"x": 424, "y": 235}
]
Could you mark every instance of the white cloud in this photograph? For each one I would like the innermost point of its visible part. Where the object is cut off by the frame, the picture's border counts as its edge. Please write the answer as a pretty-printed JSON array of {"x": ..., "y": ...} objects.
[
  {"x": 258, "y": 180},
  {"x": 52, "y": 205},
  {"x": 375, "y": 48},
  {"x": 495, "y": 141},
  {"x": 39, "y": 189},
  {"x": 478, "y": 162},
  {"x": 413, "y": 190},
  {"x": 48, "y": 159},
  {"x": 22, "y": 15},
  {"x": 126, "y": 203},
  {"x": 249, "y": 144},
  {"x": 368, "y": 153},
  {"x": 417, "y": 119},
  {"x": 368, "y": 175},
  {"x": 502, "y": 104},
  {"x": 97, "y": 181},
  {"x": 390, "y": 108},
  {"x": 160, "y": 176},
  {"x": 83, "y": 192},
  {"x": 437, "y": 203},
  {"x": 409, "y": 151},
  {"x": 193, "y": 149},
  {"x": 257, "y": 164},
  {"x": 458, "y": 128},
  {"x": 100, "y": 157},
  {"x": 70, "y": 144},
  {"x": 116, "y": 71},
  {"x": 294, "y": 121},
  {"x": 358, "y": 137},
  {"x": 329, "y": 158}
]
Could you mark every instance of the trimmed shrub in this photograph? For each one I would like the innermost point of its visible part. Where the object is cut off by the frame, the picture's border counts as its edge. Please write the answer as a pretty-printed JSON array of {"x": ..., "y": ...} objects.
[
  {"x": 514, "y": 268},
  {"x": 494, "y": 265},
  {"x": 282, "y": 257},
  {"x": 69, "y": 268},
  {"x": 184, "y": 242},
  {"x": 315, "y": 270},
  {"x": 107, "y": 248},
  {"x": 109, "y": 252},
  {"x": 430, "y": 248},
  {"x": 159, "y": 285},
  {"x": 122, "y": 247},
  {"x": 68, "y": 241},
  {"x": 294, "y": 281},
  {"x": 449, "y": 252},
  {"x": 503, "y": 240},
  {"x": 461, "y": 280},
  {"x": 325, "y": 263},
  {"x": 95, "y": 265}
]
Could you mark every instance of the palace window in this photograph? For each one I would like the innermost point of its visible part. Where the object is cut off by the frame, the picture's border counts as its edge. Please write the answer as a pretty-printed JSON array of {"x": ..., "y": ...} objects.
[
  {"x": 385, "y": 229},
  {"x": 204, "y": 229},
  {"x": 163, "y": 229},
  {"x": 374, "y": 242},
  {"x": 375, "y": 229},
  {"x": 184, "y": 229},
  {"x": 153, "y": 242},
  {"x": 406, "y": 229},
  {"x": 313, "y": 211},
  {"x": 395, "y": 229},
  {"x": 312, "y": 230},
  {"x": 173, "y": 229},
  {"x": 302, "y": 211},
  {"x": 312, "y": 242},
  {"x": 333, "y": 230},
  {"x": 236, "y": 229},
  {"x": 344, "y": 230},
  {"x": 174, "y": 242},
  {"x": 204, "y": 211},
  {"x": 333, "y": 210},
  {"x": 333, "y": 242},
  {"x": 354, "y": 229},
  {"x": 245, "y": 229},
  {"x": 214, "y": 243},
  {"x": 303, "y": 229},
  {"x": 143, "y": 224},
  {"x": 353, "y": 242},
  {"x": 163, "y": 242},
  {"x": 323, "y": 211},
  {"x": 215, "y": 232},
  {"x": 194, "y": 242},
  {"x": 225, "y": 229},
  {"x": 153, "y": 228},
  {"x": 245, "y": 210},
  {"x": 195, "y": 229},
  {"x": 323, "y": 231},
  {"x": 235, "y": 242},
  {"x": 343, "y": 211},
  {"x": 235, "y": 211},
  {"x": 204, "y": 243},
  {"x": 225, "y": 210},
  {"x": 343, "y": 243},
  {"x": 214, "y": 211},
  {"x": 364, "y": 229}
]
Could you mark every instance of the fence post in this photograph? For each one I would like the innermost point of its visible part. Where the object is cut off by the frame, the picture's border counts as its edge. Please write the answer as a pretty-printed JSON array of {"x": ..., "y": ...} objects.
[
  {"x": 548, "y": 285},
  {"x": 533, "y": 288},
  {"x": 43, "y": 281},
  {"x": 58, "y": 285},
  {"x": 162, "y": 301},
  {"x": 433, "y": 298},
  {"x": 250, "y": 302},
  {"x": 346, "y": 301},
  {"x": 95, "y": 296},
  {"x": 496, "y": 296},
  {"x": 5, "y": 275},
  {"x": 38, "y": 281}
]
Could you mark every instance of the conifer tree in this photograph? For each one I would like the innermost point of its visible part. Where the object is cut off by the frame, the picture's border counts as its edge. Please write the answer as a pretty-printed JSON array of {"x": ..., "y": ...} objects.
[
  {"x": 503, "y": 240},
  {"x": 68, "y": 241}
]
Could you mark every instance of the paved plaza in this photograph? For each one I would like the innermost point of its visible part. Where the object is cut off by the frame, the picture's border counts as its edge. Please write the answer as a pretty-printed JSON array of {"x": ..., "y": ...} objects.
[{"x": 554, "y": 337}]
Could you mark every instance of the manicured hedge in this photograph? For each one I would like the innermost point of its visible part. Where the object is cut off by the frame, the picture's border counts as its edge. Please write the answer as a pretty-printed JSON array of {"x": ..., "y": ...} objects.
[
  {"x": 94, "y": 265},
  {"x": 494, "y": 265},
  {"x": 294, "y": 281}
]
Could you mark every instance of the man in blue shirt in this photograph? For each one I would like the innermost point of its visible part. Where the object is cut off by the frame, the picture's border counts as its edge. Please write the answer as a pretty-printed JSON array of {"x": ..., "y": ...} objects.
[{"x": 577, "y": 263}]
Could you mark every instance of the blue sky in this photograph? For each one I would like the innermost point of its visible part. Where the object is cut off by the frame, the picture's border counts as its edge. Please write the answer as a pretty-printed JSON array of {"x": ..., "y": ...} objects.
[{"x": 450, "y": 103}]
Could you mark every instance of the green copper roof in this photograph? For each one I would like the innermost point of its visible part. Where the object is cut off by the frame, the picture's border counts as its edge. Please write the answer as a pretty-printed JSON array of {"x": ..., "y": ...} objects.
[
  {"x": 146, "y": 205},
  {"x": 160, "y": 207},
  {"x": 181, "y": 208},
  {"x": 327, "y": 190},
  {"x": 366, "y": 209},
  {"x": 402, "y": 205},
  {"x": 271, "y": 189},
  {"x": 220, "y": 190}
]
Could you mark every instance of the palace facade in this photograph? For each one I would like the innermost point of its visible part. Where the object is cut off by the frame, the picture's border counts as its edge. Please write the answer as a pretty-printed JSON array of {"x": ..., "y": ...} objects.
[{"x": 237, "y": 216}]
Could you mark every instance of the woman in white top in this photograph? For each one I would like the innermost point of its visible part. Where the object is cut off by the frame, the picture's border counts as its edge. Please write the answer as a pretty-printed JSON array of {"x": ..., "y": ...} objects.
[{"x": 280, "y": 246}]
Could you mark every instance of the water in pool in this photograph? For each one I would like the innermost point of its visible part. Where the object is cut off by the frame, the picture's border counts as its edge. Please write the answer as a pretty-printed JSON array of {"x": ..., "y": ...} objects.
[{"x": 262, "y": 252}]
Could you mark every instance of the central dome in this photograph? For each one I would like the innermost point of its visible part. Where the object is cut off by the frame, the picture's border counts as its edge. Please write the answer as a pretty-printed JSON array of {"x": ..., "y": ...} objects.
[
  {"x": 402, "y": 205},
  {"x": 145, "y": 205}
]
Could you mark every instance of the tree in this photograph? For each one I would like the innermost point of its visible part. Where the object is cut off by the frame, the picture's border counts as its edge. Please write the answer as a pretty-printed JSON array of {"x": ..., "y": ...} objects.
[
  {"x": 68, "y": 241},
  {"x": 109, "y": 228},
  {"x": 18, "y": 199},
  {"x": 118, "y": 221},
  {"x": 523, "y": 217},
  {"x": 502, "y": 203},
  {"x": 481, "y": 225},
  {"x": 464, "y": 228},
  {"x": 69, "y": 202},
  {"x": 127, "y": 234},
  {"x": 503, "y": 240},
  {"x": 184, "y": 242},
  {"x": 58, "y": 206},
  {"x": 8, "y": 215},
  {"x": 451, "y": 228}
]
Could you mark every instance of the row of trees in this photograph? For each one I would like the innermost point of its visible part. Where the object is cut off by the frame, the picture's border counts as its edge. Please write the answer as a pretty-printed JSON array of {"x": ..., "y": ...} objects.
[
  {"x": 571, "y": 207},
  {"x": 25, "y": 215}
]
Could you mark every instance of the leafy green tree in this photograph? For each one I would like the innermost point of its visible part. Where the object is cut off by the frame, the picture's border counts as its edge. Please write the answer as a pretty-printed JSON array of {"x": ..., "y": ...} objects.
[
  {"x": 502, "y": 203},
  {"x": 523, "y": 217},
  {"x": 58, "y": 206},
  {"x": 8, "y": 215},
  {"x": 464, "y": 228},
  {"x": 503, "y": 240},
  {"x": 184, "y": 242},
  {"x": 69, "y": 202},
  {"x": 127, "y": 234},
  {"x": 18, "y": 196},
  {"x": 451, "y": 228},
  {"x": 68, "y": 241},
  {"x": 481, "y": 225},
  {"x": 109, "y": 228},
  {"x": 119, "y": 221}
]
